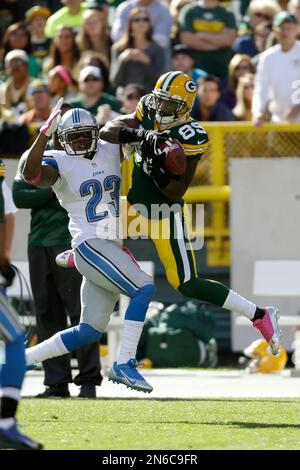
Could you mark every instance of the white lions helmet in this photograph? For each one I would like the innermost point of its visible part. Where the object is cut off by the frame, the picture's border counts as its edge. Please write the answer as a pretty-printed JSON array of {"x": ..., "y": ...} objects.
[{"x": 78, "y": 132}]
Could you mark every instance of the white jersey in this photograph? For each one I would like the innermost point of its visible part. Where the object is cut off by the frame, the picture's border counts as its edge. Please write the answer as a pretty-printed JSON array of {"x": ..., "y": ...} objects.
[{"x": 89, "y": 190}]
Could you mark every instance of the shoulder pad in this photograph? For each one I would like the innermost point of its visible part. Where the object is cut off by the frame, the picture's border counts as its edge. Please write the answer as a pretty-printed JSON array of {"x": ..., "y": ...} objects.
[{"x": 193, "y": 138}]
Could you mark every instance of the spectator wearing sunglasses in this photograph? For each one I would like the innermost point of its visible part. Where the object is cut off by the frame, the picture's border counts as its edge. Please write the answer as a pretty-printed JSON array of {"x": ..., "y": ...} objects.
[
  {"x": 258, "y": 12},
  {"x": 261, "y": 11},
  {"x": 161, "y": 21},
  {"x": 136, "y": 57}
]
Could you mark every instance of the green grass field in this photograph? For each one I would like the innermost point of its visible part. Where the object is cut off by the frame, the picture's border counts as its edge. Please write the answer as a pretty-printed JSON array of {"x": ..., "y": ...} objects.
[{"x": 159, "y": 424}]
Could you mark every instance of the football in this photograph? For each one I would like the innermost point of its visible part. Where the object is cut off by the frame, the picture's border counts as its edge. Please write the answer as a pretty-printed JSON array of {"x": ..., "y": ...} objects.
[{"x": 175, "y": 160}]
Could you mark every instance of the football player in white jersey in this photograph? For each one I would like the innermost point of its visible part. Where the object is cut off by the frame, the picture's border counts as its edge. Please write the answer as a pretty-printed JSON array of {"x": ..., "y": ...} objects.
[{"x": 86, "y": 179}]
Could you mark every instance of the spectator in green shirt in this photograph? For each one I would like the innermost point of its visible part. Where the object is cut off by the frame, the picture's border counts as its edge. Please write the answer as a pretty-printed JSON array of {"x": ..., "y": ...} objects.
[
  {"x": 209, "y": 30},
  {"x": 70, "y": 15},
  {"x": 91, "y": 86}
]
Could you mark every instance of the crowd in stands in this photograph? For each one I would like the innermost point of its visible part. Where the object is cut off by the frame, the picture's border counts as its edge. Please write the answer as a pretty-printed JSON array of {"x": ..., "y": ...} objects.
[{"x": 101, "y": 54}]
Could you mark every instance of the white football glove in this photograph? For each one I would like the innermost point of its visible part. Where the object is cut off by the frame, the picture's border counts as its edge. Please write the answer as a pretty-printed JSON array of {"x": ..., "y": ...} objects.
[{"x": 51, "y": 124}]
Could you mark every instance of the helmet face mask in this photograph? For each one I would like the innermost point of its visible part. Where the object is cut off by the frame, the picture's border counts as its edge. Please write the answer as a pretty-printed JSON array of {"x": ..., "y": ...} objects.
[
  {"x": 78, "y": 132},
  {"x": 173, "y": 98}
]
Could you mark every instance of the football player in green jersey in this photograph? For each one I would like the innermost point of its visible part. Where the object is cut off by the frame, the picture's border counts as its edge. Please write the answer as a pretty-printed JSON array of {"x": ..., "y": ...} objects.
[{"x": 160, "y": 115}]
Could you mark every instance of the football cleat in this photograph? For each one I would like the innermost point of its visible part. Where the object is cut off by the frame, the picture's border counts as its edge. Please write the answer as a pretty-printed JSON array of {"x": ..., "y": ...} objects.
[
  {"x": 128, "y": 375},
  {"x": 268, "y": 327},
  {"x": 11, "y": 438},
  {"x": 66, "y": 259}
]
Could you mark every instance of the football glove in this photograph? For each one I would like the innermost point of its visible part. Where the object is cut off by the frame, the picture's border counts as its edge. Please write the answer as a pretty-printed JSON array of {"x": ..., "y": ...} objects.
[
  {"x": 51, "y": 124},
  {"x": 152, "y": 140},
  {"x": 153, "y": 165}
]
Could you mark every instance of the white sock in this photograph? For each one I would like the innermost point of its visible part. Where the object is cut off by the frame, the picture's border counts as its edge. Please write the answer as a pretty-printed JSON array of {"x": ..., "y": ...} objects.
[
  {"x": 10, "y": 392},
  {"x": 49, "y": 348},
  {"x": 130, "y": 337},
  {"x": 239, "y": 304},
  {"x": 6, "y": 423}
]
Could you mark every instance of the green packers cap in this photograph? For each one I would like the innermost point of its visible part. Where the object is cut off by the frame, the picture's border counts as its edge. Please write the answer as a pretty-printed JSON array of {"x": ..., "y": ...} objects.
[{"x": 284, "y": 16}]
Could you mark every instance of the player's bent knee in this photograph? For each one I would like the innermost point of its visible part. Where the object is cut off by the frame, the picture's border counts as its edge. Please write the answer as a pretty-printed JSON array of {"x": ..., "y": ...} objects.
[
  {"x": 146, "y": 292},
  {"x": 186, "y": 289},
  {"x": 80, "y": 335}
]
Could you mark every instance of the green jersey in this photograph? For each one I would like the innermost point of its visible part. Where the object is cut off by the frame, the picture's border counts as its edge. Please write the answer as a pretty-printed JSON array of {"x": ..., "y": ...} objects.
[
  {"x": 195, "y": 18},
  {"x": 189, "y": 133}
]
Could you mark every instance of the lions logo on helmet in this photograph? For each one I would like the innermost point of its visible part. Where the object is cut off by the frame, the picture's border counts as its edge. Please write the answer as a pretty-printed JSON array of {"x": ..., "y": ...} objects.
[
  {"x": 262, "y": 360},
  {"x": 173, "y": 96},
  {"x": 78, "y": 132}
]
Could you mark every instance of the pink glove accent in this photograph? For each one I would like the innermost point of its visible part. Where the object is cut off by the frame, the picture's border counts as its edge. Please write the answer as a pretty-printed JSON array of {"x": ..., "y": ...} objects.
[{"x": 51, "y": 124}]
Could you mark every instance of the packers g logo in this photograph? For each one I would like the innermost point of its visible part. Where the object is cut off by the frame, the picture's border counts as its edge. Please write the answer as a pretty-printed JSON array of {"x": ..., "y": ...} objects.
[{"x": 190, "y": 86}]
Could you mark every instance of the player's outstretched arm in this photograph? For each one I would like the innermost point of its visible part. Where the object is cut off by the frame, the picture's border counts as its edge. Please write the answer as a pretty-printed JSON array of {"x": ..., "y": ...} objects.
[
  {"x": 126, "y": 129},
  {"x": 111, "y": 131},
  {"x": 33, "y": 171}
]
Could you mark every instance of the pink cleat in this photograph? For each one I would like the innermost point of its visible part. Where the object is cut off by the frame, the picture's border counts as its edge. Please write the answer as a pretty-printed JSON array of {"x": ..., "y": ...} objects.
[
  {"x": 268, "y": 327},
  {"x": 65, "y": 259}
]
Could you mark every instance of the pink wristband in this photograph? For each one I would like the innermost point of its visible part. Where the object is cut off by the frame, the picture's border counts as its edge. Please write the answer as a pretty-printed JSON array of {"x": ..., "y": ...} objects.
[{"x": 36, "y": 179}]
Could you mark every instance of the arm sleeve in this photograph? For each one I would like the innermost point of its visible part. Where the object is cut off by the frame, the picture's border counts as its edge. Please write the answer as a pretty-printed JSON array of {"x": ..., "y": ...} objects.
[{"x": 27, "y": 196}]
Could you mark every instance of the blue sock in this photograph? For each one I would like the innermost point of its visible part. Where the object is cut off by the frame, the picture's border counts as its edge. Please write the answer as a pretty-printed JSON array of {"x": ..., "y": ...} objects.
[
  {"x": 139, "y": 303},
  {"x": 134, "y": 323},
  {"x": 80, "y": 335}
]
